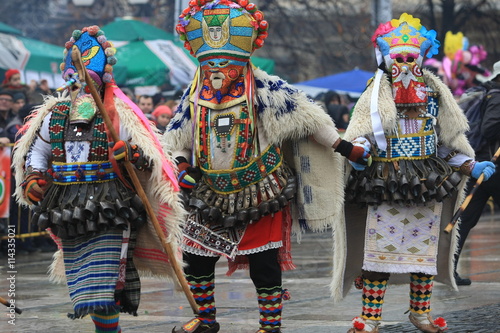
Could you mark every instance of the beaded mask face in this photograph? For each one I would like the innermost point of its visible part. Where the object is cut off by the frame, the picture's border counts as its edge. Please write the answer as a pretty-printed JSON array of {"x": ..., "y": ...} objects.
[
  {"x": 222, "y": 35},
  {"x": 403, "y": 44},
  {"x": 97, "y": 56}
]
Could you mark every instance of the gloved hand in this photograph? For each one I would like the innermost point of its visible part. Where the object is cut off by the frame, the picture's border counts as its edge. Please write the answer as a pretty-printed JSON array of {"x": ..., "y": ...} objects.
[
  {"x": 358, "y": 155},
  {"x": 188, "y": 176},
  {"x": 34, "y": 185},
  {"x": 486, "y": 167},
  {"x": 122, "y": 150}
]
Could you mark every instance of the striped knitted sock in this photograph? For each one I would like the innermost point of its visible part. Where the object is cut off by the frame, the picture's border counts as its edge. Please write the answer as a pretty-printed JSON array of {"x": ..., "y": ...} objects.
[
  {"x": 106, "y": 322},
  {"x": 202, "y": 288},
  {"x": 373, "y": 298},
  {"x": 421, "y": 292},
  {"x": 270, "y": 307}
]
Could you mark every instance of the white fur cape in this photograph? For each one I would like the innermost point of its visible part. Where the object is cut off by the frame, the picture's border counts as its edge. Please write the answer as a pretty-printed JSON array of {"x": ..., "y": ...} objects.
[
  {"x": 349, "y": 232},
  {"x": 149, "y": 256},
  {"x": 288, "y": 118}
]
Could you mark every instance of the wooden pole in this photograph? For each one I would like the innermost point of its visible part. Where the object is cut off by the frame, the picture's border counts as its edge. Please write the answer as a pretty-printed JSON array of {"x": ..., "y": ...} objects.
[
  {"x": 7, "y": 304},
  {"x": 76, "y": 57},
  {"x": 467, "y": 200}
]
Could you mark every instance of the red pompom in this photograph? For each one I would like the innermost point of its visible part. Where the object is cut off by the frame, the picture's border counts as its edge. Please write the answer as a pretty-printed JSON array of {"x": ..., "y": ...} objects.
[
  {"x": 258, "y": 15},
  {"x": 251, "y": 7},
  {"x": 187, "y": 45},
  {"x": 441, "y": 323},
  {"x": 258, "y": 42},
  {"x": 263, "y": 25},
  {"x": 243, "y": 3},
  {"x": 358, "y": 323},
  {"x": 263, "y": 35},
  {"x": 192, "y": 3},
  {"x": 186, "y": 11}
]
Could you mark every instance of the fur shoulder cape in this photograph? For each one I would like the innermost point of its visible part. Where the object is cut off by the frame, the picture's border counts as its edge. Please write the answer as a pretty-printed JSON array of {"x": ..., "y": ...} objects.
[
  {"x": 149, "y": 256},
  {"x": 288, "y": 118},
  {"x": 349, "y": 231}
]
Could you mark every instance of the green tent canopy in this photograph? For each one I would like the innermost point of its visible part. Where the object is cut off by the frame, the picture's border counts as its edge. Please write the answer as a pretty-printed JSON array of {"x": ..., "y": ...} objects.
[{"x": 130, "y": 30}]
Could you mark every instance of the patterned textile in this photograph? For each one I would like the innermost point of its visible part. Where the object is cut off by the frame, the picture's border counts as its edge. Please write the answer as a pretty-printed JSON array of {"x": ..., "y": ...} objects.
[
  {"x": 106, "y": 322},
  {"x": 420, "y": 293},
  {"x": 92, "y": 271},
  {"x": 202, "y": 239},
  {"x": 373, "y": 298},
  {"x": 409, "y": 146},
  {"x": 63, "y": 173},
  {"x": 402, "y": 239},
  {"x": 202, "y": 288},
  {"x": 270, "y": 307}
]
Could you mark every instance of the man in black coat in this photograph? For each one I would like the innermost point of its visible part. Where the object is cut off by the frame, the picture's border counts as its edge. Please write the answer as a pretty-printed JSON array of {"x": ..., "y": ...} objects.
[{"x": 490, "y": 130}]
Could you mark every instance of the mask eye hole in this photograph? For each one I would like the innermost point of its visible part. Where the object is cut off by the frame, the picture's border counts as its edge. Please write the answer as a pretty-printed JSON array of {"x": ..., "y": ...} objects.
[
  {"x": 211, "y": 64},
  {"x": 224, "y": 63},
  {"x": 410, "y": 59},
  {"x": 399, "y": 60}
]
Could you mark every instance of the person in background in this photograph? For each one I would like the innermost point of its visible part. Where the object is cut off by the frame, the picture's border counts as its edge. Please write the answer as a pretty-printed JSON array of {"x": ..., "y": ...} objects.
[
  {"x": 162, "y": 115},
  {"x": 19, "y": 101},
  {"x": 490, "y": 130},
  {"x": 336, "y": 110},
  {"x": 6, "y": 103},
  {"x": 12, "y": 82},
  {"x": 145, "y": 103}
]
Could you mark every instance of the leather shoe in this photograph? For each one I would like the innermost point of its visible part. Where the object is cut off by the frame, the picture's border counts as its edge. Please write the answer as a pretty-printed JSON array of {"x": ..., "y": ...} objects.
[{"x": 462, "y": 282}]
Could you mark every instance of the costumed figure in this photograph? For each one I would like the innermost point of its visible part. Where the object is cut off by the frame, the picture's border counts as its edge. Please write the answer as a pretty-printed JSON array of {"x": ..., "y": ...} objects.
[
  {"x": 395, "y": 208},
  {"x": 71, "y": 174},
  {"x": 461, "y": 63},
  {"x": 229, "y": 136}
]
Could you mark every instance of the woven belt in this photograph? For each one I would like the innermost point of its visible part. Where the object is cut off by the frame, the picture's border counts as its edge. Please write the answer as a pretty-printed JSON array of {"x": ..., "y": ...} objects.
[
  {"x": 234, "y": 180},
  {"x": 75, "y": 173}
]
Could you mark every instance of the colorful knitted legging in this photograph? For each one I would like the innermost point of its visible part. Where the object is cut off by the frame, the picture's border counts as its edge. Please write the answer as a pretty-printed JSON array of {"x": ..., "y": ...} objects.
[
  {"x": 373, "y": 298},
  {"x": 420, "y": 292},
  {"x": 106, "y": 322},
  {"x": 200, "y": 274},
  {"x": 265, "y": 273}
]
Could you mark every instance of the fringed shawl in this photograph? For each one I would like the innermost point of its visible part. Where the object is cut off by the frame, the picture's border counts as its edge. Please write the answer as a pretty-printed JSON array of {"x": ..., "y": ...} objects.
[
  {"x": 350, "y": 229},
  {"x": 149, "y": 256},
  {"x": 288, "y": 118}
]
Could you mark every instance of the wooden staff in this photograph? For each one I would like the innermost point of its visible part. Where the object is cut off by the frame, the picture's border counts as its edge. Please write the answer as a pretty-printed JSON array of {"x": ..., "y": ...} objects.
[
  {"x": 7, "y": 304},
  {"x": 77, "y": 60},
  {"x": 464, "y": 205},
  {"x": 30, "y": 234}
]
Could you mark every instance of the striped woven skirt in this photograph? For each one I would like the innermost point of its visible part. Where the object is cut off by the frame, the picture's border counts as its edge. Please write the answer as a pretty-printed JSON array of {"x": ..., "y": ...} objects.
[{"x": 92, "y": 270}]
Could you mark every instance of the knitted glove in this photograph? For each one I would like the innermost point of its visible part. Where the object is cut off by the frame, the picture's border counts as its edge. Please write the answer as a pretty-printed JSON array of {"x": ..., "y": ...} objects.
[
  {"x": 34, "y": 185},
  {"x": 188, "y": 176},
  {"x": 487, "y": 168},
  {"x": 122, "y": 150},
  {"x": 357, "y": 155}
]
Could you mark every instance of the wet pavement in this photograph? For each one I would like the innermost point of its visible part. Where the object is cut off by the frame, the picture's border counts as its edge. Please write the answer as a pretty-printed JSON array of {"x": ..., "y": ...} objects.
[{"x": 474, "y": 308}]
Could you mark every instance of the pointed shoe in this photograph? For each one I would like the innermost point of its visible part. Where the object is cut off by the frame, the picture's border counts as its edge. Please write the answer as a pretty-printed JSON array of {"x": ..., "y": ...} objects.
[
  {"x": 196, "y": 326},
  {"x": 435, "y": 326}
]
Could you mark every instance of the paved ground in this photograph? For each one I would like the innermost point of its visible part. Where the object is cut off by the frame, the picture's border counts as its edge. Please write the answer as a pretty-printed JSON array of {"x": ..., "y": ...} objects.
[{"x": 475, "y": 308}]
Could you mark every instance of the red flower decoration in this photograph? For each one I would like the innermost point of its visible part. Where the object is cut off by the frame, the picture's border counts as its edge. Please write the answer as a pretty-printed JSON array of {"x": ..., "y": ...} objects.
[{"x": 382, "y": 29}]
